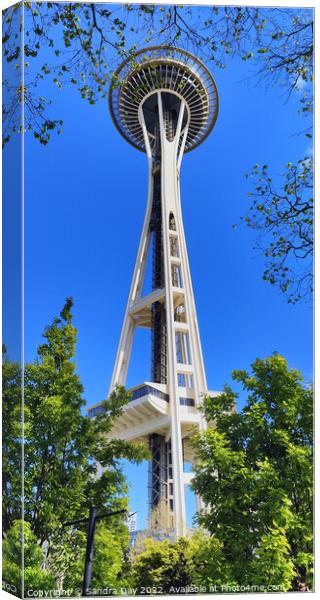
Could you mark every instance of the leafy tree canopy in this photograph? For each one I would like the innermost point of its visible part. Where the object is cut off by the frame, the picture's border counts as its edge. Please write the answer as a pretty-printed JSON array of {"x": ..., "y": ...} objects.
[
  {"x": 11, "y": 441},
  {"x": 255, "y": 476},
  {"x": 173, "y": 567},
  {"x": 35, "y": 577},
  {"x": 66, "y": 558},
  {"x": 164, "y": 564},
  {"x": 62, "y": 448},
  {"x": 283, "y": 219}
]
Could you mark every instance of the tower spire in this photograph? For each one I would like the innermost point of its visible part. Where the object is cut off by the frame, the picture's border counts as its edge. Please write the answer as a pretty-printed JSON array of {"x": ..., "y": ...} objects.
[{"x": 164, "y": 102}]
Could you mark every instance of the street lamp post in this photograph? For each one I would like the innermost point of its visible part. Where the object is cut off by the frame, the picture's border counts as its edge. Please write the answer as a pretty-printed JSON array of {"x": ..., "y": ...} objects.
[
  {"x": 91, "y": 520},
  {"x": 89, "y": 550}
]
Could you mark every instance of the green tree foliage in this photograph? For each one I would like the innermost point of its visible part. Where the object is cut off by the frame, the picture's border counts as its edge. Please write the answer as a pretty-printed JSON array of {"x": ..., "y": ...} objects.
[
  {"x": 11, "y": 441},
  {"x": 284, "y": 220},
  {"x": 209, "y": 566},
  {"x": 66, "y": 560},
  {"x": 62, "y": 448},
  {"x": 35, "y": 576},
  {"x": 163, "y": 564},
  {"x": 255, "y": 476},
  {"x": 169, "y": 567},
  {"x": 109, "y": 564}
]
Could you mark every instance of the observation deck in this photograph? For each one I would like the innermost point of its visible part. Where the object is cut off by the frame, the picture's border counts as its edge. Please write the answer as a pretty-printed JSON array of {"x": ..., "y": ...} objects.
[
  {"x": 174, "y": 72},
  {"x": 148, "y": 411}
]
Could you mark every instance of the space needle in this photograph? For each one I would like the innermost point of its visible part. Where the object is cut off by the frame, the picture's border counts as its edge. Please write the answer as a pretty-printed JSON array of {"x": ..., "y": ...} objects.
[{"x": 164, "y": 102}]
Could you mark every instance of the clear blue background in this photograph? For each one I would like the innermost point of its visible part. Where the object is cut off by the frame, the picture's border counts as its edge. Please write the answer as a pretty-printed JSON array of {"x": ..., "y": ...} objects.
[{"x": 85, "y": 196}]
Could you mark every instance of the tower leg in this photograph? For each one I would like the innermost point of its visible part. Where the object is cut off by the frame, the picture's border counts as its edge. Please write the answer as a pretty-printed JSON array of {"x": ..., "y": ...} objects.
[
  {"x": 120, "y": 369},
  {"x": 170, "y": 130}
]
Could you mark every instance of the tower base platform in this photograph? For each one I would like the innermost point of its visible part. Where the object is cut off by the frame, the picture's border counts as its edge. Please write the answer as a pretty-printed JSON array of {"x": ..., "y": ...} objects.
[{"x": 146, "y": 418}]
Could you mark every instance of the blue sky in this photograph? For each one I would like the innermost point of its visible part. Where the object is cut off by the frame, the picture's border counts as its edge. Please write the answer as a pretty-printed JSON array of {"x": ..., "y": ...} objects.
[{"x": 85, "y": 196}]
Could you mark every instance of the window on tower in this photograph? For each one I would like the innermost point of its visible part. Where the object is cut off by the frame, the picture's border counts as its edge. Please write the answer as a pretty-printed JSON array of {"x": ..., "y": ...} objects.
[
  {"x": 174, "y": 247},
  {"x": 180, "y": 314},
  {"x": 185, "y": 380},
  {"x": 176, "y": 276},
  {"x": 183, "y": 348},
  {"x": 172, "y": 222}
]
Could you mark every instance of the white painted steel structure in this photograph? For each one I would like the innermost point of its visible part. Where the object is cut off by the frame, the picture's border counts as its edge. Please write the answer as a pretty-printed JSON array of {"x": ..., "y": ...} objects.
[{"x": 164, "y": 102}]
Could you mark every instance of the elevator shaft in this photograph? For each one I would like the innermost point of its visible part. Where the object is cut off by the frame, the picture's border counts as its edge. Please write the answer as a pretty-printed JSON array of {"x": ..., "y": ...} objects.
[
  {"x": 158, "y": 313},
  {"x": 161, "y": 504},
  {"x": 159, "y": 328}
]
